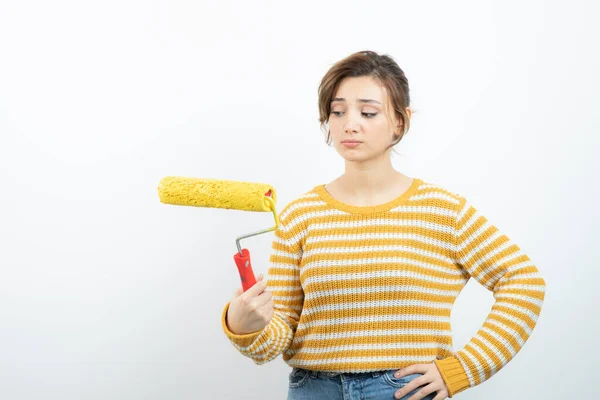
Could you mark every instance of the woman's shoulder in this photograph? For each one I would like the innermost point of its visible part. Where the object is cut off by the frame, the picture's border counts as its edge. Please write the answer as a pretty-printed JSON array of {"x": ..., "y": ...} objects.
[
  {"x": 439, "y": 192},
  {"x": 436, "y": 189}
]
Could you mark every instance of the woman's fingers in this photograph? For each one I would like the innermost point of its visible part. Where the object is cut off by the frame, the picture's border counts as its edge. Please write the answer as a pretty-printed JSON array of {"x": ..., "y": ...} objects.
[
  {"x": 256, "y": 289},
  {"x": 263, "y": 298},
  {"x": 413, "y": 369},
  {"x": 430, "y": 382},
  {"x": 426, "y": 391},
  {"x": 238, "y": 292},
  {"x": 268, "y": 309},
  {"x": 413, "y": 385},
  {"x": 441, "y": 396}
]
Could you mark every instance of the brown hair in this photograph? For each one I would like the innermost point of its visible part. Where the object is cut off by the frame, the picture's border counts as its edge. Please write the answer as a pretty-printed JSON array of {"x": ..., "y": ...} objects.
[{"x": 382, "y": 68}]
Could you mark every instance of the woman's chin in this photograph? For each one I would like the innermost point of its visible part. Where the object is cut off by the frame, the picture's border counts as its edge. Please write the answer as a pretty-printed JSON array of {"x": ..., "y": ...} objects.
[
  {"x": 359, "y": 156},
  {"x": 354, "y": 156}
]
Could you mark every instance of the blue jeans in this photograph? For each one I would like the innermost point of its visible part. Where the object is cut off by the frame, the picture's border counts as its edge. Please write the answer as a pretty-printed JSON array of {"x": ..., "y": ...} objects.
[{"x": 317, "y": 385}]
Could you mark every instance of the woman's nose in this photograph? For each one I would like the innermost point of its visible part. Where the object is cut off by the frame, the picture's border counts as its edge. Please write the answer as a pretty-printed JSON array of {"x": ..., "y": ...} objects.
[{"x": 352, "y": 124}]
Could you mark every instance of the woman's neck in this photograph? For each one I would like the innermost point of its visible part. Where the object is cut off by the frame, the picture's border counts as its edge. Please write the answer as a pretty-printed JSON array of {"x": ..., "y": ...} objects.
[
  {"x": 361, "y": 179},
  {"x": 368, "y": 183}
]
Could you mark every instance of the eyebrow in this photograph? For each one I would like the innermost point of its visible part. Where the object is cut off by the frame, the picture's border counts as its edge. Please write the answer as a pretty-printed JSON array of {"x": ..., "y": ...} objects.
[{"x": 360, "y": 100}]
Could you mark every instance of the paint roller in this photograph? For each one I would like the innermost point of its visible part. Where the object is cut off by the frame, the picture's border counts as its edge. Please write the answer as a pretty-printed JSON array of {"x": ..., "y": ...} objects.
[{"x": 217, "y": 193}]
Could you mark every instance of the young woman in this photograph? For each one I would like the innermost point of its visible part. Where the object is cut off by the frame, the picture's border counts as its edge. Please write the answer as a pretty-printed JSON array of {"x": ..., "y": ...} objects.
[{"x": 365, "y": 269}]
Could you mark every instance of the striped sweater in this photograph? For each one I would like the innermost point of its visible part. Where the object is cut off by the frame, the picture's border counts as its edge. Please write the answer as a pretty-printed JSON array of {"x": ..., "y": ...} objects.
[{"x": 361, "y": 289}]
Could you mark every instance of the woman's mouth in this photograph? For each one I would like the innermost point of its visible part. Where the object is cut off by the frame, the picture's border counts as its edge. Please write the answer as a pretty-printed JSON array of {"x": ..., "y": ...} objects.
[{"x": 351, "y": 143}]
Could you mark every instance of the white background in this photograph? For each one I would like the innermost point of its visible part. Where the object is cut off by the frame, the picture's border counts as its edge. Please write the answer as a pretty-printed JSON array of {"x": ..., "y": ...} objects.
[{"x": 105, "y": 293}]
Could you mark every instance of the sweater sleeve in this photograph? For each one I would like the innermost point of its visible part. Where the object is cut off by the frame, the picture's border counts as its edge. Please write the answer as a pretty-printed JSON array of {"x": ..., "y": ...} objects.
[
  {"x": 498, "y": 264},
  {"x": 283, "y": 281}
]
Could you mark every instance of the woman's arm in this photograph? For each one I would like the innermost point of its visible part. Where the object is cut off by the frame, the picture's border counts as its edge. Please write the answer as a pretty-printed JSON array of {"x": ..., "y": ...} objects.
[
  {"x": 284, "y": 283},
  {"x": 498, "y": 264}
]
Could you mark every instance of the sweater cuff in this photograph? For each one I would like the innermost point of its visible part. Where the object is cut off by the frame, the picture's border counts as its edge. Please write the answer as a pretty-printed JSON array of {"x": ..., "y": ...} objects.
[
  {"x": 243, "y": 340},
  {"x": 454, "y": 375}
]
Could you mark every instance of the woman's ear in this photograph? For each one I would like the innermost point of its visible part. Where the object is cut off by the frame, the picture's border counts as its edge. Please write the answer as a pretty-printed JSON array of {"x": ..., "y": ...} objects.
[{"x": 399, "y": 129}]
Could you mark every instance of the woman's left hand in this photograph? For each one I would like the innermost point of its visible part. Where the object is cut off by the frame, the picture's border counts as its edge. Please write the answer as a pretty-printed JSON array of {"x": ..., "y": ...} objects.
[{"x": 431, "y": 381}]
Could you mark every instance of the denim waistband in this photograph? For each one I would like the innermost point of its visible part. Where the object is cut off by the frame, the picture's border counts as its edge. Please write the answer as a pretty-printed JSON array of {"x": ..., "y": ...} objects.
[{"x": 347, "y": 375}]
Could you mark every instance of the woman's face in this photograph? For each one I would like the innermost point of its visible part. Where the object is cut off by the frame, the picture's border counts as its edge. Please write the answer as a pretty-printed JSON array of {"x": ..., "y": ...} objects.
[{"x": 360, "y": 130}]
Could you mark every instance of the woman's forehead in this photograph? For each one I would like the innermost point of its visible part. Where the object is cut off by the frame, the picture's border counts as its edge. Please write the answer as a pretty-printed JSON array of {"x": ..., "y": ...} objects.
[{"x": 353, "y": 89}]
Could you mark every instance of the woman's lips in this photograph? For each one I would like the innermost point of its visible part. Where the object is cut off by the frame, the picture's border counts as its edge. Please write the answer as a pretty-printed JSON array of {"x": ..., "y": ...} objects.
[{"x": 351, "y": 143}]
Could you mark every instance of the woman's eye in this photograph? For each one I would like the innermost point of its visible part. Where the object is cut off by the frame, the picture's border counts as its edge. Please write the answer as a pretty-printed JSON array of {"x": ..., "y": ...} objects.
[{"x": 368, "y": 115}]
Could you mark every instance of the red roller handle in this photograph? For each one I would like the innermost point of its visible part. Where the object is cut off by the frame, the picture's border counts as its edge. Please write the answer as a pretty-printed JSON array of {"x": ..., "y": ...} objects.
[{"x": 245, "y": 269}]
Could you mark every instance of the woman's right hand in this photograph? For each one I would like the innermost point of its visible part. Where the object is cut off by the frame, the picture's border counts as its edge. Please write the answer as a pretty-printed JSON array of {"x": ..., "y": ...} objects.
[{"x": 252, "y": 310}]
